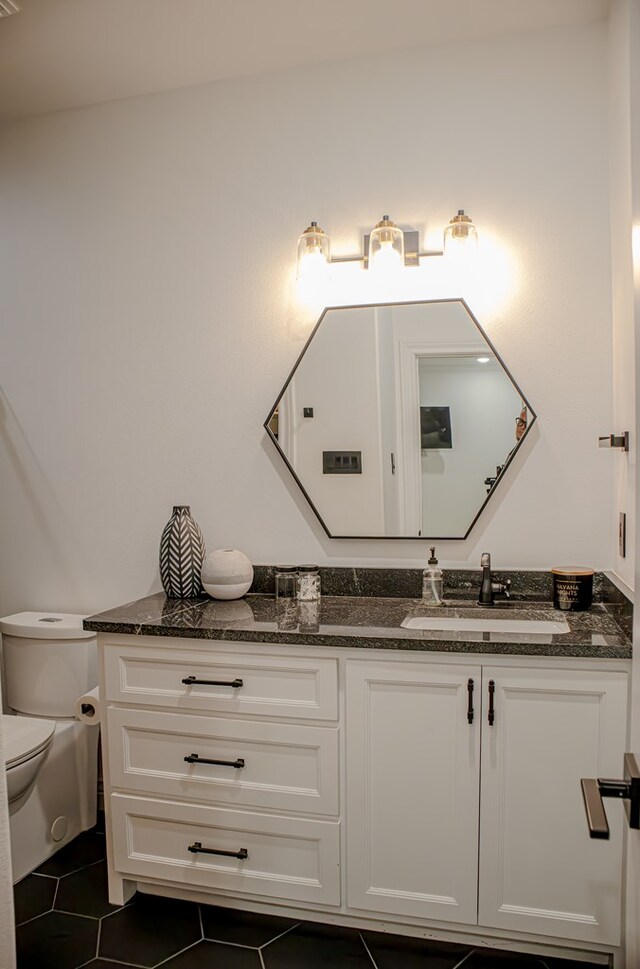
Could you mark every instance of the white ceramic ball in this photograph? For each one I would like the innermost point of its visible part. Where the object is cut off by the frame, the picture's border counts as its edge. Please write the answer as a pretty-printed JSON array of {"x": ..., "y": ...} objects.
[{"x": 227, "y": 574}]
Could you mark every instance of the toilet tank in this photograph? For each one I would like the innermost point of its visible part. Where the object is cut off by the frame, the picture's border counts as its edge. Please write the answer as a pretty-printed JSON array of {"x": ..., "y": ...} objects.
[{"x": 49, "y": 661}]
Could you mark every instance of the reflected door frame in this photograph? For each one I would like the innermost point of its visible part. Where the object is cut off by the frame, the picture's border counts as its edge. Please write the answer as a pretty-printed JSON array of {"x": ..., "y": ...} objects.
[
  {"x": 409, "y": 465},
  {"x": 286, "y": 423}
]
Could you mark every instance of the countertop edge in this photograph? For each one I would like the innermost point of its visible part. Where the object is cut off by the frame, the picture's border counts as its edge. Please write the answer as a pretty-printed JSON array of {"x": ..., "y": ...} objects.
[{"x": 416, "y": 644}]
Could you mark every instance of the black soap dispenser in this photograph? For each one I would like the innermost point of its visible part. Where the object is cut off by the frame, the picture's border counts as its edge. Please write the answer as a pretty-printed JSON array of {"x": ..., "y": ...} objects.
[{"x": 432, "y": 582}]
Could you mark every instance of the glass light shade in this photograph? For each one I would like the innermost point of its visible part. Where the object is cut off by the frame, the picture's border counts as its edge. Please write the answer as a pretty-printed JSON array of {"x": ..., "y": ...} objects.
[
  {"x": 314, "y": 252},
  {"x": 386, "y": 246},
  {"x": 460, "y": 236}
]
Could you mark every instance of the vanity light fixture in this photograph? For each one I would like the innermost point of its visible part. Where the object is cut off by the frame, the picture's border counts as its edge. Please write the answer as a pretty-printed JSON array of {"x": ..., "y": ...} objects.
[
  {"x": 314, "y": 251},
  {"x": 386, "y": 246},
  {"x": 483, "y": 359},
  {"x": 460, "y": 235}
]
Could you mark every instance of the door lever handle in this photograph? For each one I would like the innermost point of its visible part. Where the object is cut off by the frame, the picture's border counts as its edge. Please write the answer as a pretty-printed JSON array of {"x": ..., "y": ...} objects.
[{"x": 594, "y": 790}]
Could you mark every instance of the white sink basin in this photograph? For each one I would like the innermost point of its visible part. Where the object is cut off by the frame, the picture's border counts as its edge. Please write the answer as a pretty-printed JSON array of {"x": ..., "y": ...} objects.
[{"x": 553, "y": 627}]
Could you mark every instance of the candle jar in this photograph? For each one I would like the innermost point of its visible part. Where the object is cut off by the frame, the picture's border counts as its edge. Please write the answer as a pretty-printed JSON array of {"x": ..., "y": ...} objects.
[
  {"x": 572, "y": 588},
  {"x": 308, "y": 583}
]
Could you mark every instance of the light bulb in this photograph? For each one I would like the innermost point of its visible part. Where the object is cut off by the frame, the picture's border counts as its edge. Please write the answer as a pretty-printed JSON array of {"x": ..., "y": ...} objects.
[
  {"x": 386, "y": 247},
  {"x": 387, "y": 259},
  {"x": 314, "y": 253},
  {"x": 312, "y": 264},
  {"x": 460, "y": 236}
]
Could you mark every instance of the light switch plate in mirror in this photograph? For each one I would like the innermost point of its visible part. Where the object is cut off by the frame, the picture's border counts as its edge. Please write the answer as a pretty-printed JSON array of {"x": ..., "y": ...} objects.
[{"x": 417, "y": 389}]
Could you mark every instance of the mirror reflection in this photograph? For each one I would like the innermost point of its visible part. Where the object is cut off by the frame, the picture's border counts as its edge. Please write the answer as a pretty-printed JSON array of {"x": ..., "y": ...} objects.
[{"x": 399, "y": 420}]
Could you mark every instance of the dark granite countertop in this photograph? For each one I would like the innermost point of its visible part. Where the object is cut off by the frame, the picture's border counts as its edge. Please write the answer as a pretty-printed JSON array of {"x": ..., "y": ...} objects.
[{"x": 370, "y": 622}]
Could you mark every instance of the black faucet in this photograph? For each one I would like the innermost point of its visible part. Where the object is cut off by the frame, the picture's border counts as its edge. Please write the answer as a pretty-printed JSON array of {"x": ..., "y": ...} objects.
[{"x": 489, "y": 588}]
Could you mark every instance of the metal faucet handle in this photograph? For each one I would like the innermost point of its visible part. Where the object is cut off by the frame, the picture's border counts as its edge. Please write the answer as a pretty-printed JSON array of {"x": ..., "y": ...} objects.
[{"x": 485, "y": 560}]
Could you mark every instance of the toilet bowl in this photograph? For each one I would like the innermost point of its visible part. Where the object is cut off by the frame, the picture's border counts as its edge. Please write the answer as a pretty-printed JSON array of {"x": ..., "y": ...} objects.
[
  {"x": 26, "y": 742},
  {"x": 52, "y": 758}
]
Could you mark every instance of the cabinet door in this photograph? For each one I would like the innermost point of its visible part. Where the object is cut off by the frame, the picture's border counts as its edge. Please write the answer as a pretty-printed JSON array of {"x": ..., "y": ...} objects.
[
  {"x": 539, "y": 870},
  {"x": 412, "y": 789}
]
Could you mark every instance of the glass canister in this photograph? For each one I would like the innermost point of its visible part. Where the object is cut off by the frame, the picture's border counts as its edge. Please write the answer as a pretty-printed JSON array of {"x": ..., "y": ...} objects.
[
  {"x": 286, "y": 581},
  {"x": 308, "y": 583}
]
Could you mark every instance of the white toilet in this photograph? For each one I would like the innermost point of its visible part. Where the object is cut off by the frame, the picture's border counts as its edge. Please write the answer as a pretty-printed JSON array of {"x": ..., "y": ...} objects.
[{"x": 51, "y": 758}]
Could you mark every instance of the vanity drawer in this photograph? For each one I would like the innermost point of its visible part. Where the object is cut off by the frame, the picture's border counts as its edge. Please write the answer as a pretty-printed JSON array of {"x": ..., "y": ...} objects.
[
  {"x": 270, "y": 686},
  {"x": 286, "y": 858},
  {"x": 269, "y": 765}
]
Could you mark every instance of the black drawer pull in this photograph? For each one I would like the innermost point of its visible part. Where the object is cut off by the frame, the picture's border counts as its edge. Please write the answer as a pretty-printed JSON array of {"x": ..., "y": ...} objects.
[
  {"x": 470, "y": 701},
  {"x": 196, "y": 848},
  {"x": 196, "y": 759},
  {"x": 492, "y": 713},
  {"x": 190, "y": 680}
]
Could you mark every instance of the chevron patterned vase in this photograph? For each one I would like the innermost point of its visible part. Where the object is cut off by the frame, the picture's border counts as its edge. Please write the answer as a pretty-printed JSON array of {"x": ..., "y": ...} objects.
[{"x": 182, "y": 553}]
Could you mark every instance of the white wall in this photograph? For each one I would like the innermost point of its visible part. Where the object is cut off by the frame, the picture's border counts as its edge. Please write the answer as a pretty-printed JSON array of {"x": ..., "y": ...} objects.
[{"x": 149, "y": 314}]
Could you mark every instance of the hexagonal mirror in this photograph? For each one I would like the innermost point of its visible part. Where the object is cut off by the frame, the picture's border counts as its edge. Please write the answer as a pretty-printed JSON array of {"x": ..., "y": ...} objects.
[{"x": 399, "y": 420}]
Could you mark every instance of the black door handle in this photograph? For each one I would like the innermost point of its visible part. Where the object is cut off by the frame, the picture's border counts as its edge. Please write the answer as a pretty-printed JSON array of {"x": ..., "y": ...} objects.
[
  {"x": 491, "y": 716},
  {"x": 470, "y": 701},
  {"x": 196, "y": 848},
  {"x": 593, "y": 791},
  {"x": 190, "y": 680},
  {"x": 196, "y": 759}
]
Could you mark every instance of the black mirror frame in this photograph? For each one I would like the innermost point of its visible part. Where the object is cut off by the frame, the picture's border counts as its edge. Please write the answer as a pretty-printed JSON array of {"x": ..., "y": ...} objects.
[{"x": 500, "y": 477}]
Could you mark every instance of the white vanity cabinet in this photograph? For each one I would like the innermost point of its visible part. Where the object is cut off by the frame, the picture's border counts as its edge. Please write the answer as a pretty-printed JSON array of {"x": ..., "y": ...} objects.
[
  {"x": 413, "y": 768},
  {"x": 215, "y": 779},
  {"x": 424, "y": 783},
  {"x": 366, "y": 787}
]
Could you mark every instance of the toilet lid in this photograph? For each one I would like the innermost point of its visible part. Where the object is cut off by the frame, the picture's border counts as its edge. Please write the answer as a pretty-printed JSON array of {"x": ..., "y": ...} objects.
[
  {"x": 45, "y": 625},
  {"x": 24, "y": 737}
]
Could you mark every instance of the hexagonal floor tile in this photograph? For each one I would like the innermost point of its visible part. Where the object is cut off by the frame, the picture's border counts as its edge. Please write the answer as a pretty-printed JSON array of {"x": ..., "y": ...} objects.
[
  {"x": 84, "y": 850},
  {"x": 242, "y": 928},
  {"x": 317, "y": 946},
  {"x": 391, "y": 951},
  {"x": 209, "y": 954},
  {"x": 56, "y": 941},
  {"x": 149, "y": 930},
  {"x": 33, "y": 896},
  {"x": 86, "y": 892}
]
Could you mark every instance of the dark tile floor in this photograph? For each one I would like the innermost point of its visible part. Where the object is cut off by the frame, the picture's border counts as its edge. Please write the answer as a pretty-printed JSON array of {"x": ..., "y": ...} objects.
[{"x": 64, "y": 921}]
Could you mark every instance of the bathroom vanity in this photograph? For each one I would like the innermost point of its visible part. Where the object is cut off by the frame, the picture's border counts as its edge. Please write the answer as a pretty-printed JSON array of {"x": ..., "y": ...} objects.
[{"x": 356, "y": 771}]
